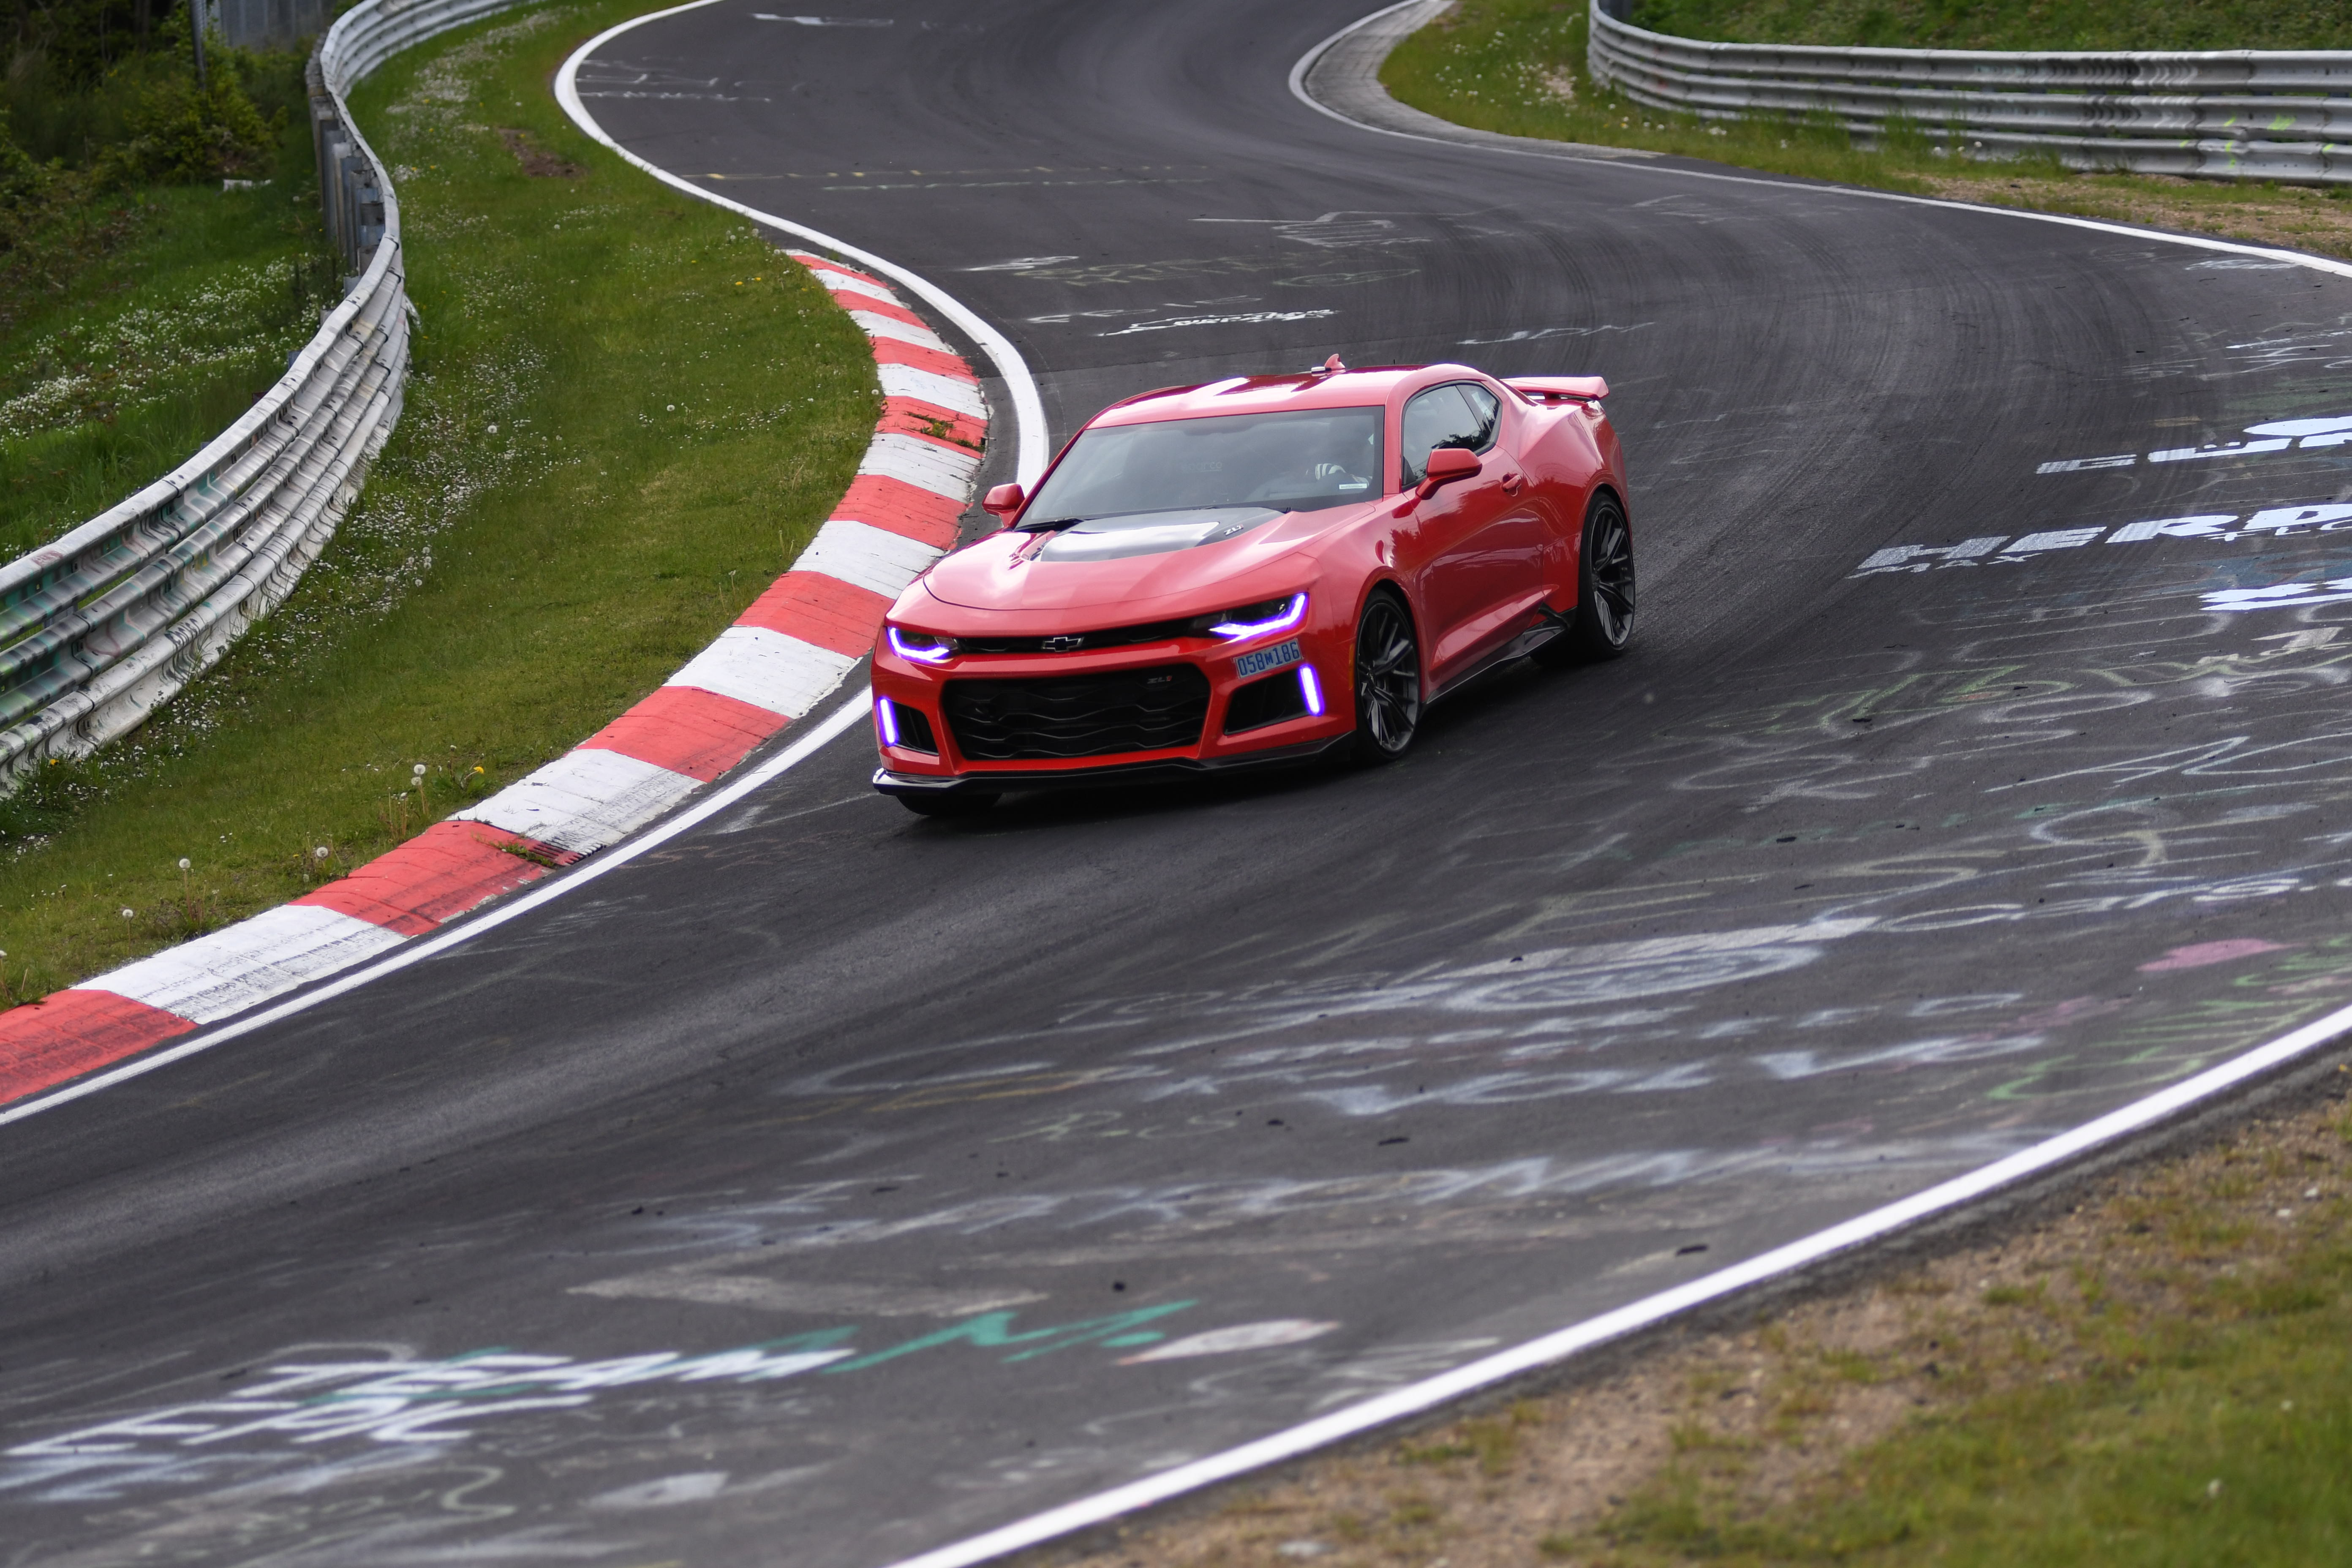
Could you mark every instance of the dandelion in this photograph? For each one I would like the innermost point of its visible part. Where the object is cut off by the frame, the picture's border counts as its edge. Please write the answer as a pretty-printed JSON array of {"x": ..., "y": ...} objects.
[
  {"x": 494, "y": 430},
  {"x": 320, "y": 853},
  {"x": 183, "y": 862},
  {"x": 417, "y": 772},
  {"x": 128, "y": 913}
]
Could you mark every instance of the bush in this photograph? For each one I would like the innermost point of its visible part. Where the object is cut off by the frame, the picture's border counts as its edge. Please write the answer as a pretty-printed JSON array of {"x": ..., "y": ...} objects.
[
  {"x": 25, "y": 182},
  {"x": 181, "y": 133}
]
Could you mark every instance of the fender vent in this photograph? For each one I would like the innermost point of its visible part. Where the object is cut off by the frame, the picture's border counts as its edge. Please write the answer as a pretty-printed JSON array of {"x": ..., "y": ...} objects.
[
  {"x": 915, "y": 728},
  {"x": 1267, "y": 701}
]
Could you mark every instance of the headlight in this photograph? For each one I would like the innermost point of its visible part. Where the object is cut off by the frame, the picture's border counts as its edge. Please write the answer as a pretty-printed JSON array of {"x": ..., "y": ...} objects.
[
  {"x": 1252, "y": 620},
  {"x": 923, "y": 648}
]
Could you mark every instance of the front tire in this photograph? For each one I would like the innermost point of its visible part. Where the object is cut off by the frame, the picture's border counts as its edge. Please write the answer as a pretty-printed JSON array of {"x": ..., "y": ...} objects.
[
  {"x": 1603, "y": 626},
  {"x": 1388, "y": 680}
]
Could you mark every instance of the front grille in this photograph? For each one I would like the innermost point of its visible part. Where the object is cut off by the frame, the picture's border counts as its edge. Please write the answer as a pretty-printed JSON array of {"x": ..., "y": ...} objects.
[
  {"x": 1146, "y": 710},
  {"x": 1263, "y": 702},
  {"x": 1090, "y": 642}
]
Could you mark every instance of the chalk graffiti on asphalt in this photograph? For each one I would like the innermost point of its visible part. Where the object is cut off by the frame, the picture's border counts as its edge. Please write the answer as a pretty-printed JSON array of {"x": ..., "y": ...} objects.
[
  {"x": 1174, "y": 1216},
  {"x": 2325, "y": 432},
  {"x": 2279, "y": 597},
  {"x": 295, "y": 1406},
  {"x": 2267, "y": 524}
]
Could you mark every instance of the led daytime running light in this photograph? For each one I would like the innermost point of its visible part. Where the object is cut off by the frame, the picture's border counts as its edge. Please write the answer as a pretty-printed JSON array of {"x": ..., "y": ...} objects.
[
  {"x": 1232, "y": 631},
  {"x": 885, "y": 720},
  {"x": 940, "y": 651},
  {"x": 1311, "y": 689}
]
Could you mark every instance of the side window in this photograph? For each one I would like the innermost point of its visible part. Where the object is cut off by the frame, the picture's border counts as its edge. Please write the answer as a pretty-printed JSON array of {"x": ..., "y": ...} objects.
[
  {"x": 1455, "y": 415},
  {"x": 1487, "y": 411}
]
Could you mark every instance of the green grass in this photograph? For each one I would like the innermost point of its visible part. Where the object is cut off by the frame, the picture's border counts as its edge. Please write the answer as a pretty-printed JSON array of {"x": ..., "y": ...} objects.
[
  {"x": 2008, "y": 24},
  {"x": 136, "y": 325},
  {"x": 2182, "y": 1397},
  {"x": 628, "y": 412}
]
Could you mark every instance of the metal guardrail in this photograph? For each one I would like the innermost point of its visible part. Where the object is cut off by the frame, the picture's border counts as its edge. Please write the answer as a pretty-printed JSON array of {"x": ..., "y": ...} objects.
[
  {"x": 100, "y": 627},
  {"x": 2233, "y": 113}
]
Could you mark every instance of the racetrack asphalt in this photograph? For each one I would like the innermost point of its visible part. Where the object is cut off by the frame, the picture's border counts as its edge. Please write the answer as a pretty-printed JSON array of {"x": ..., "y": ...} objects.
[{"x": 1840, "y": 885}]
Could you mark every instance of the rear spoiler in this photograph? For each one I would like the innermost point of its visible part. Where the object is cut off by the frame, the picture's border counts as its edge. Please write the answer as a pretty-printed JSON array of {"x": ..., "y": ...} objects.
[{"x": 1552, "y": 388}]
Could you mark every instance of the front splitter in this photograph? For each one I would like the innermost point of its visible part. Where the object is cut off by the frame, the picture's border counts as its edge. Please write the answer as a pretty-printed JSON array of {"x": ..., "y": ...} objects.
[{"x": 1166, "y": 769}]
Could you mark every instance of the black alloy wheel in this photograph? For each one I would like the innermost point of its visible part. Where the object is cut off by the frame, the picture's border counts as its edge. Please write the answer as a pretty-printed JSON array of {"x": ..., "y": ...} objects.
[
  {"x": 1605, "y": 590},
  {"x": 1388, "y": 680}
]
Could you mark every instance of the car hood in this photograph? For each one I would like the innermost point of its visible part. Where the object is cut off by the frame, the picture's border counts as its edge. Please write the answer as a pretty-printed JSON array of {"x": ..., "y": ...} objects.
[{"x": 1014, "y": 572}]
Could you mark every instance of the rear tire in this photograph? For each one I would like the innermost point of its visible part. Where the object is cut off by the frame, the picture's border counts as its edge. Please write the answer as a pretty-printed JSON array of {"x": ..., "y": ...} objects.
[
  {"x": 1388, "y": 680},
  {"x": 946, "y": 807},
  {"x": 1603, "y": 626}
]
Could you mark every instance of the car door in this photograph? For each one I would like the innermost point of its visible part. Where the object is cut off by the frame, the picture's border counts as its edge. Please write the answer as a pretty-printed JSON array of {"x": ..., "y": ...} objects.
[{"x": 1476, "y": 534}]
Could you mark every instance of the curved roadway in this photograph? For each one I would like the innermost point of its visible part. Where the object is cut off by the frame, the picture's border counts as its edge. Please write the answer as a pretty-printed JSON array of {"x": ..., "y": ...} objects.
[{"x": 828, "y": 1186}]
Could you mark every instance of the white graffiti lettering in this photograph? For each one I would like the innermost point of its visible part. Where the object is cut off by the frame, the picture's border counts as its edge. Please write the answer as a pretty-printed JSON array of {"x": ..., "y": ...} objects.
[
  {"x": 2277, "y": 435},
  {"x": 1998, "y": 550}
]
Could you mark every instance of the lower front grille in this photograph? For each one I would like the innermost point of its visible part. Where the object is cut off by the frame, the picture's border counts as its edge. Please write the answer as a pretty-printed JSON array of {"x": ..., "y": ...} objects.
[{"x": 1147, "y": 709}]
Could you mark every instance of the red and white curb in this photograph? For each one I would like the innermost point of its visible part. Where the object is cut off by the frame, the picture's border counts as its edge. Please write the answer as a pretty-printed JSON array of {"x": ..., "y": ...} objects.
[{"x": 781, "y": 657}]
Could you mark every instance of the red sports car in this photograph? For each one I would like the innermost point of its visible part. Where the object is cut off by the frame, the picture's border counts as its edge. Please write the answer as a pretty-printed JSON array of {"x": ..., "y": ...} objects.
[{"x": 1254, "y": 571}]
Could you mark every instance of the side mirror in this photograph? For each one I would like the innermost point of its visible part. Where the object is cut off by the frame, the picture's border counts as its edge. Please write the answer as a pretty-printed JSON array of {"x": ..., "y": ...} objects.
[
  {"x": 1002, "y": 502},
  {"x": 1446, "y": 465}
]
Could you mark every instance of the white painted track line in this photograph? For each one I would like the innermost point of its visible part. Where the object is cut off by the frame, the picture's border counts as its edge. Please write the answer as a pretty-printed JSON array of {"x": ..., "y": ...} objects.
[{"x": 1028, "y": 408}]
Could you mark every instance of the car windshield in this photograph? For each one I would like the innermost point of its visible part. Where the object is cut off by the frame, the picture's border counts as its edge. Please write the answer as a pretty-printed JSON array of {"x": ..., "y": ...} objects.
[{"x": 1285, "y": 462}]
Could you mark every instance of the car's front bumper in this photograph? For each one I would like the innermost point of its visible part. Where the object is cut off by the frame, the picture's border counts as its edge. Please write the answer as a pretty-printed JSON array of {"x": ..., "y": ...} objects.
[{"x": 1226, "y": 678}]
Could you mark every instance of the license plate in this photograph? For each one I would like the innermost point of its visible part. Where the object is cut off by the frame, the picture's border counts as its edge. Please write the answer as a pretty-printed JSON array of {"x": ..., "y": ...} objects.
[{"x": 1267, "y": 659}]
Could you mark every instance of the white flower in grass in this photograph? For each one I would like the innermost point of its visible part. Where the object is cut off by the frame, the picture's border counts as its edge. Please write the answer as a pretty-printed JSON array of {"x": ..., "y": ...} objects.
[
  {"x": 320, "y": 853},
  {"x": 417, "y": 772},
  {"x": 493, "y": 429},
  {"x": 128, "y": 913},
  {"x": 183, "y": 862}
]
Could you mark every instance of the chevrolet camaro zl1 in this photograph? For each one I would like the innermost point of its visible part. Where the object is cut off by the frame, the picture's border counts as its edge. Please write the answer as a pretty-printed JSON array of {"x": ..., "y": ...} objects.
[{"x": 1258, "y": 569}]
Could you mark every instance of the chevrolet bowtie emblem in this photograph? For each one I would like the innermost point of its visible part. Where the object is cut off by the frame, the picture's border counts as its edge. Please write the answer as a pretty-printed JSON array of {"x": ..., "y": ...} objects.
[{"x": 1063, "y": 644}]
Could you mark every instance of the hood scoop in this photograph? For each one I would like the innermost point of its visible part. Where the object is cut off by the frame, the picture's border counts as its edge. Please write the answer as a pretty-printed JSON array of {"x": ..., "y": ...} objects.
[{"x": 1124, "y": 534}]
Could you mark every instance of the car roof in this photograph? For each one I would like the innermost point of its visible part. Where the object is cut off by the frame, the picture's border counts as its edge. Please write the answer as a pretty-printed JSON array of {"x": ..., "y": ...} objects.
[{"x": 1273, "y": 393}]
